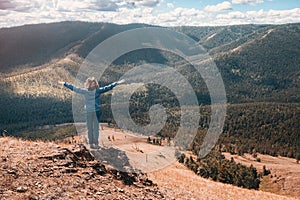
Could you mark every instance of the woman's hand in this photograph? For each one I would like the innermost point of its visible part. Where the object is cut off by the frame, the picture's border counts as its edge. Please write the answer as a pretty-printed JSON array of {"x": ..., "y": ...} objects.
[
  {"x": 121, "y": 81},
  {"x": 61, "y": 82}
]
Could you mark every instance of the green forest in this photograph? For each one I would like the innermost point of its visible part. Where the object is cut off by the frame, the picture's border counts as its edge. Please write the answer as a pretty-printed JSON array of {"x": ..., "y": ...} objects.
[{"x": 217, "y": 168}]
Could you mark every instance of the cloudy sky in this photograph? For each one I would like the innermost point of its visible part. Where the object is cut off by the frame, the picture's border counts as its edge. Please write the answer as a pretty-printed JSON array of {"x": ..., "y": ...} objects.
[{"x": 157, "y": 12}]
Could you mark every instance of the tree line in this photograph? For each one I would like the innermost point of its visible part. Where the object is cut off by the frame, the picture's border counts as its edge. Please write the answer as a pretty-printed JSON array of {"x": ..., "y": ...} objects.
[{"x": 216, "y": 167}]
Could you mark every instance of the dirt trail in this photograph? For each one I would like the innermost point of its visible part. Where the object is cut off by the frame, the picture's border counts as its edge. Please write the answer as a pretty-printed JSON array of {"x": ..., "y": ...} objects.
[{"x": 138, "y": 153}]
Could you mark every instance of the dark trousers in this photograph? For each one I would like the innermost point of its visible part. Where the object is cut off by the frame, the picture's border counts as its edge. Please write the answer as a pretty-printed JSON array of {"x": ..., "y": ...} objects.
[{"x": 92, "y": 123}]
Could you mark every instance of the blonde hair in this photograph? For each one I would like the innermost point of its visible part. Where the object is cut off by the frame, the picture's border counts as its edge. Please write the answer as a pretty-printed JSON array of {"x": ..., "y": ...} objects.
[{"x": 91, "y": 84}]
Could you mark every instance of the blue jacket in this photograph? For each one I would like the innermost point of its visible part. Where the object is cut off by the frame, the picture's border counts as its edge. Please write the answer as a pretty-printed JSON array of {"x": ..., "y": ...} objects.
[{"x": 92, "y": 98}]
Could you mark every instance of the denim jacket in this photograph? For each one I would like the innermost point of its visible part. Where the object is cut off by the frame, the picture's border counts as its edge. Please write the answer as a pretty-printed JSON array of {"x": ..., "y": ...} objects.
[{"x": 92, "y": 98}]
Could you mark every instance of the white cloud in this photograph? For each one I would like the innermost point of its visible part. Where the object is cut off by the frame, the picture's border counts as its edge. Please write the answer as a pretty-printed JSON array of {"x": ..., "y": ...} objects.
[
  {"x": 4, "y": 13},
  {"x": 250, "y": 2},
  {"x": 18, "y": 5},
  {"x": 120, "y": 12},
  {"x": 170, "y": 5},
  {"x": 89, "y": 5},
  {"x": 63, "y": 5},
  {"x": 261, "y": 17},
  {"x": 226, "y": 5},
  {"x": 145, "y": 3},
  {"x": 104, "y": 5},
  {"x": 5, "y": 4}
]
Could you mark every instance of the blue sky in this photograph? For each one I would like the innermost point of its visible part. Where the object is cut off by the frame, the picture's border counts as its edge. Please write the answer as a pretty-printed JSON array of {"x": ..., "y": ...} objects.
[{"x": 157, "y": 12}]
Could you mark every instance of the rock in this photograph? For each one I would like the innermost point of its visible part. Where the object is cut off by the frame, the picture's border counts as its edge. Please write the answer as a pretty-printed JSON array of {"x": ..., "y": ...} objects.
[
  {"x": 4, "y": 133},
  {"x": 11, "y": 172},
  {"x": 71, "y": 170},
  {"x": 148, "y": 182},
  {"x": 33, "y": 198},
  {"x": 99, "y": 168},
  {"x": 22, "y": 189}
]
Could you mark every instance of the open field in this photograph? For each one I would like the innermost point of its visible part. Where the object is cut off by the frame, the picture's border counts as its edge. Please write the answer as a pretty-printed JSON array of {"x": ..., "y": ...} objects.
[{"x": 285, "y": 173}]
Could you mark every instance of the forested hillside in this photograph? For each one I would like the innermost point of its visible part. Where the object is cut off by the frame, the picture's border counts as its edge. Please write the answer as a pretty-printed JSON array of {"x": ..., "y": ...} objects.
[{"x": 31, "y": 45}]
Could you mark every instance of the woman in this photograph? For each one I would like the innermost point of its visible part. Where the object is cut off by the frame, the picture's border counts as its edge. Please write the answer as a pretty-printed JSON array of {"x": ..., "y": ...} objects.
[{"x": 91, "y": 94}]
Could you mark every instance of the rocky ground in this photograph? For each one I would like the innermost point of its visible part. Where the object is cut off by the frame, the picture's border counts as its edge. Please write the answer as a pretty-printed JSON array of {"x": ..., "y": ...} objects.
[{"x": 42, "y": 170}]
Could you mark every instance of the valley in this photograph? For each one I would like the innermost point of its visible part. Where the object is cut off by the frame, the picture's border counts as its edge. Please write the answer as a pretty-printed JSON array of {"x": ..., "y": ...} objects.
[{"x": 259, "y": 65}]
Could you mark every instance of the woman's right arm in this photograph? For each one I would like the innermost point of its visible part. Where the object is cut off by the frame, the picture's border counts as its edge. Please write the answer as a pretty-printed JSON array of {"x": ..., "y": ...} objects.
[{"x": 71, "y": 87}]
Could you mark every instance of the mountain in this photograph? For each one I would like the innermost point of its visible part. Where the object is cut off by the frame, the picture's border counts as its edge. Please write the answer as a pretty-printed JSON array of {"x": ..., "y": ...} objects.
[
  {"x": 265, "y": 68},
  {"x": 257, "y": 62},
  {"x": 32, "y": 45},
  {"x": 259, "y": 65}
]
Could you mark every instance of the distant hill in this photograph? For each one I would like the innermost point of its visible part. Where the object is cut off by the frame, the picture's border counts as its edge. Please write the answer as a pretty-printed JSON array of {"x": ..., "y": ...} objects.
[
  {"x": 268, "y": 65},
  {"x": 32, "y": 45},
  {"x": 257, "y": 62},
  {"x": 213, "y": 37}
]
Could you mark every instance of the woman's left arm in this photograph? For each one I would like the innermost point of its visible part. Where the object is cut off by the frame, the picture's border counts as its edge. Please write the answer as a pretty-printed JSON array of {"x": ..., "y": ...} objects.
[
  {"x": 110, "y": 86},
  {"x": 107, "y": 88}
]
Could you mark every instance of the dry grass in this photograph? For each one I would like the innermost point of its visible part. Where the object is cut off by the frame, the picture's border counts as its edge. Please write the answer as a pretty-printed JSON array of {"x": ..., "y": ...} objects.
[
  {"x": 25, "y": 175},
  {"x": 42, "y": 80},
  {"x": 178, "y": 182},
  {"x": 181, "y": 183},
  {"x": 285, "y": 173}
]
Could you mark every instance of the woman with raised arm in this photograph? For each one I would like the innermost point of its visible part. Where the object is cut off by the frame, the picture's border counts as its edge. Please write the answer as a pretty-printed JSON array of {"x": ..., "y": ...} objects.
[{"x": 91, "y": 94}]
